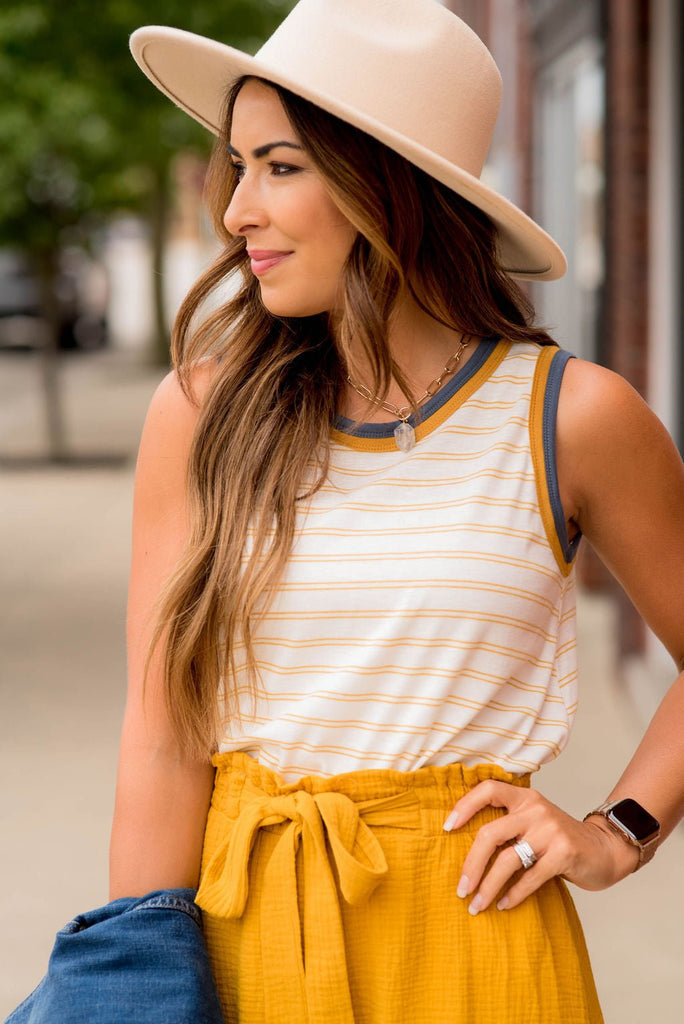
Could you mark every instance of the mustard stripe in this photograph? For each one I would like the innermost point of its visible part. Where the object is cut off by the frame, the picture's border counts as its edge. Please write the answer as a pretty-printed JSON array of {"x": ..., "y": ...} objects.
[
  {"x": 435, "y": 482},
  {"x": 501, "y": 650},
  {"x": 344, "y": 459},
  {"x": 427, "y": 457},
  {"x": 511, "y": 378},
  {"x": 521, "y": 684},
  {"x": 388, "y": 444},
  {"x": 358, "y": 506},
  {"x": 365, "y": 697},
  {"x": 522, "y": 354},
  {"x": 421, "y": 756},
  {"x": 522, "y": 563},
  {"x": 357, "y": 755},
  {"x": 488, "y": 685},
  {"x": 363, "y": 725},
  {"x": 359, "y": 614},
  {"x": 461, "y": 751},
  {"x": 354, "y": 752},
  {"x": 278, "y": 669},
  {"x": 477, "y": 403},
  {"x": 347, "y": 643},
  {"x": 495, "y": 428},
  {"x": 506, "y": 734},
  {"x": 262, "y": 742},
  {"x": 458, "y": 702},
  {"x": 466, "y": 614},
  {"x": 408, "y": 531},
  {"x": 434, "y": 583}
]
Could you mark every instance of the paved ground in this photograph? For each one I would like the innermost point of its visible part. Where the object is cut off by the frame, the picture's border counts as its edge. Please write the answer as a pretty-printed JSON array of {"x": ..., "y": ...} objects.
[{"x": 64, "y": 546}]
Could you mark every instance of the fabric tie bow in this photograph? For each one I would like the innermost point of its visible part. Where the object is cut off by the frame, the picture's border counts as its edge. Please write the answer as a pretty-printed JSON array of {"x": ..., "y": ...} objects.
[{"x": 313, "y": 958}]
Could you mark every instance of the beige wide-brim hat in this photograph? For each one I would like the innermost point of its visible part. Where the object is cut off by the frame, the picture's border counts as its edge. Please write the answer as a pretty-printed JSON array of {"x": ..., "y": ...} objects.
[{"x": 408, "y": 72}]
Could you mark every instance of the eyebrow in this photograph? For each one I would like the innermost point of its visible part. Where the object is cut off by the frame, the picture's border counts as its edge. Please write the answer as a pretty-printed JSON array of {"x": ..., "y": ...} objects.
[{"x": 264, "y": 150}]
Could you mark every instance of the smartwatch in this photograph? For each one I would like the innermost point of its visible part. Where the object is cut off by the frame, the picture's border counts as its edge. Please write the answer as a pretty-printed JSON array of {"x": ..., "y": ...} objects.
[{"x": 634, "y": 824}]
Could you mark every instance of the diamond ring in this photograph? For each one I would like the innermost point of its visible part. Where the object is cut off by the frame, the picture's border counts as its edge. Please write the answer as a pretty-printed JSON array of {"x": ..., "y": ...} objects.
[{"x": 527, "y": 855}]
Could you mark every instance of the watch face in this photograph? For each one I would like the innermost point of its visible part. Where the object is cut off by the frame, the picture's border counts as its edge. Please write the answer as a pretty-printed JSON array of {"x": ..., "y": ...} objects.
[{"x": 634, "y": 819}]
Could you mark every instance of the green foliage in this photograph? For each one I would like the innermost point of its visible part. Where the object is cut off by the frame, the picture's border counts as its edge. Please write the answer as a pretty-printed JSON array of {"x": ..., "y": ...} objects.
[{"x": 82, "y": 131}]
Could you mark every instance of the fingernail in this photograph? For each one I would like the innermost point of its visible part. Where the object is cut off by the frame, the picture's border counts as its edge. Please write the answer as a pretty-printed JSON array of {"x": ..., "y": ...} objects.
[
  {"x": 463, "y": 886},
  {"x": 475, "y": 905},
  {"x": 451, "y": 821},
  {"x": 503, "y": 903}
]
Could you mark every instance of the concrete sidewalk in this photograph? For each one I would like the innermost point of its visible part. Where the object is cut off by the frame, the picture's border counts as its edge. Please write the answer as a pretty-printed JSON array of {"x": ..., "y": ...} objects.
[{"x": 64, "y": 535}]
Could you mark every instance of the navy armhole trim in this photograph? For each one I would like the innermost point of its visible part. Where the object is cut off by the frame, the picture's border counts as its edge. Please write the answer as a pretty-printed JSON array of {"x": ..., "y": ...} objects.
[{"x": 550, "y": 414}]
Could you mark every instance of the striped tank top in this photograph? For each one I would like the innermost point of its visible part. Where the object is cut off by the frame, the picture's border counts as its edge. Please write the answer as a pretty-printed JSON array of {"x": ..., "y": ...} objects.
[{"x": 427, "y": 611}]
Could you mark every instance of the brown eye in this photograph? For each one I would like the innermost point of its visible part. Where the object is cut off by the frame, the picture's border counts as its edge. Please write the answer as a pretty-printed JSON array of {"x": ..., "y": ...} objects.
[{"x": 280, "y": 170}]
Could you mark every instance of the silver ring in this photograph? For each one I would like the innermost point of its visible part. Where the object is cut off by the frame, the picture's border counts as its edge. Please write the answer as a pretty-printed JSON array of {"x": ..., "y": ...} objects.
[{"x": 527, "y": 855}]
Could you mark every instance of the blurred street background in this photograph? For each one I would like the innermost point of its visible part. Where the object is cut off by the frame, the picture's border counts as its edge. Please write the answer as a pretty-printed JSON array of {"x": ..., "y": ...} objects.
[{"x": 102, "y": 231}]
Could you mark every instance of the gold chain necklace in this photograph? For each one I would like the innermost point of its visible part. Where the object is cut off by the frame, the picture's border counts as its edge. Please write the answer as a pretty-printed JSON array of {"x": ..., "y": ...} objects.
[{"x": 404, "y": 434}]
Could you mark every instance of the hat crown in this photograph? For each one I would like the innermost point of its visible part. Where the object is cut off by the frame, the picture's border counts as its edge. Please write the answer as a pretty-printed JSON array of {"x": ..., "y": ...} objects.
[{"x": 409, "y": 64}]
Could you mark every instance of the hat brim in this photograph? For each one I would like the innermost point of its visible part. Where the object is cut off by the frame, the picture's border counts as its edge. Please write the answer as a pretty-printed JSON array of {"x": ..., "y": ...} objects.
[{"x": 196, "y": 72}]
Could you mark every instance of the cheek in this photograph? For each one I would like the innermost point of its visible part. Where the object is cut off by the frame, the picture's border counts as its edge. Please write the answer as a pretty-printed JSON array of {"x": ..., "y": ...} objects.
[
  {"x": 337, "y": 238},
  {"x": 335, "y": 231}
]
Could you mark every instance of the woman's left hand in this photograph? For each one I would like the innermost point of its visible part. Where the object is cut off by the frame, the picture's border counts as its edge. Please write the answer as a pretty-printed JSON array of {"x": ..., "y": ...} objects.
[{"x": 586, "y": 853}]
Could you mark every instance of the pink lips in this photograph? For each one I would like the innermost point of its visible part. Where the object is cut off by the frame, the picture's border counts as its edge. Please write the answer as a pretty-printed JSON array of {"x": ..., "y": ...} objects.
[{"x": 264, "y": 259}]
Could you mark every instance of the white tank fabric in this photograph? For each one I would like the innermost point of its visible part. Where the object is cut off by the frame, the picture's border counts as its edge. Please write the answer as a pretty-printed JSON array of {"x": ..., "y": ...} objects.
[{"x": 427, "y": 613}]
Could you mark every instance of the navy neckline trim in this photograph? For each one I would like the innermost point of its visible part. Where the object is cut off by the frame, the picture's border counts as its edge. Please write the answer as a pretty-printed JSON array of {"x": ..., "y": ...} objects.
[{"x": 461, "y": 377}]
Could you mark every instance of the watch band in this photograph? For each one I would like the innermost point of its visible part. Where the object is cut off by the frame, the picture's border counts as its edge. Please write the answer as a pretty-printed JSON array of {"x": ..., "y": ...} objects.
[{"x": 646, "y": 846}]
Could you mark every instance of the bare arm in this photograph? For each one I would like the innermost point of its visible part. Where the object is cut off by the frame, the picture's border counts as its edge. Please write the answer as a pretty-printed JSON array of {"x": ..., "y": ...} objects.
[
  {"x": 625, "y": 481},
  {"x": 162, "y": 798},
  {"x": 622, "y": 483}
]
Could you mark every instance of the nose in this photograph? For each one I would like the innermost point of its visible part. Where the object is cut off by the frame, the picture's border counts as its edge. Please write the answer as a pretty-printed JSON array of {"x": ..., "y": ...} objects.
[{"x": 245, "y": 210}]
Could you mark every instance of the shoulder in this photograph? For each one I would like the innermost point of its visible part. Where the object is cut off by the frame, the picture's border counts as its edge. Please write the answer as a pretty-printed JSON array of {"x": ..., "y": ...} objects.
[
  {"x": 589, "y": 387},
  {"x": 175, "y": 397},
  {"x": 175, "y": 405},
  {"x": 602, "y": 417},
  {"x": 622, "y": 471},
  {"x": 169, "y": 428},
  {"x": 625, "y": 479}
]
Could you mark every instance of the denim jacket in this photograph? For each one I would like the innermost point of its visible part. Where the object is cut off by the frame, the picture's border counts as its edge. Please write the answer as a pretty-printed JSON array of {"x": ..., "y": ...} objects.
[{"x": 137, "y": 960}]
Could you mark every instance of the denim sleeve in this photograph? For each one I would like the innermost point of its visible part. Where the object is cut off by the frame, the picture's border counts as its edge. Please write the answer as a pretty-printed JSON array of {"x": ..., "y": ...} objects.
[{"x": 135, "y": 960}]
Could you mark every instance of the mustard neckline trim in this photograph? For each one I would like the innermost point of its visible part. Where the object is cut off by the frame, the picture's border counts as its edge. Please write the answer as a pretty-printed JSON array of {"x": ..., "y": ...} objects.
[{"x": 388, "y": 444}]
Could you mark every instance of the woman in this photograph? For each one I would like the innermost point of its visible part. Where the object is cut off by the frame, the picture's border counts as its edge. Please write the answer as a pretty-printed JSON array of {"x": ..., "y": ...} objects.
[{"x": 358, "y": 500}]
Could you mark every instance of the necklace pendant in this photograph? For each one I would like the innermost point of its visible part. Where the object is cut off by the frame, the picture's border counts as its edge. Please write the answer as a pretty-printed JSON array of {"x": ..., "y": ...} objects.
[{"x": 405, "y": 436}]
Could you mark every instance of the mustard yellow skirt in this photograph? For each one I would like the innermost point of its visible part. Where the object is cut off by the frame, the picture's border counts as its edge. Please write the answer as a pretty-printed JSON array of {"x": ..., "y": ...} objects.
[{"x": 333, "y": 901}]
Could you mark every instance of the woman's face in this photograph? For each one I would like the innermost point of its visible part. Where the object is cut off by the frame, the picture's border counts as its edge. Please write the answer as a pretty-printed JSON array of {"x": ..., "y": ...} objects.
[{"x": 297, "y": 238}]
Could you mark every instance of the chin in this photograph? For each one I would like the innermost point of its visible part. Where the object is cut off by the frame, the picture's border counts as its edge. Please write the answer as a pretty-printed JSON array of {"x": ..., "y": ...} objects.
[{"x": 292, "y": 310}]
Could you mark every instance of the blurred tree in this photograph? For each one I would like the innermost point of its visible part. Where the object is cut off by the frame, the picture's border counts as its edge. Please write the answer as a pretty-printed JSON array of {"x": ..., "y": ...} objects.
[{"x": 83, "y": 133}]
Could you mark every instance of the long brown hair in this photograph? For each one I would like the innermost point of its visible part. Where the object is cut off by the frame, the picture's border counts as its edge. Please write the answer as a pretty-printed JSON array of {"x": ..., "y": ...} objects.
[{"x": 262, "y": 438}]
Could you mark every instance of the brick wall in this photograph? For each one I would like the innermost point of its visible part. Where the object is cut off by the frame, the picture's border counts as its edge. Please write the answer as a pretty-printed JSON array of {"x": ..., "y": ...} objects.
[
  {"x": 627, "y": 157},
  {"x": 627, "y": 160}
]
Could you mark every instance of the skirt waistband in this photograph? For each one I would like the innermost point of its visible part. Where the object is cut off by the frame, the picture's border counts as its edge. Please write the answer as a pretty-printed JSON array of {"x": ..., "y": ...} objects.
[{"x": 241, "y": 778}]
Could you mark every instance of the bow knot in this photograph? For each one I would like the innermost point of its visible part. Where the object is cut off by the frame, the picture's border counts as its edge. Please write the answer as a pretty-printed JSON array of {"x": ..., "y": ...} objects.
[{"x": 320, "y": 827}]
